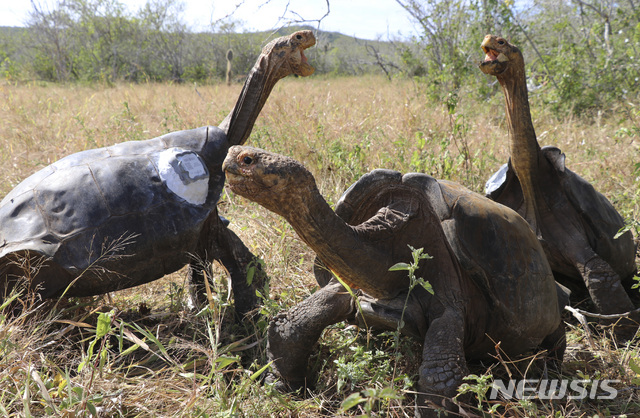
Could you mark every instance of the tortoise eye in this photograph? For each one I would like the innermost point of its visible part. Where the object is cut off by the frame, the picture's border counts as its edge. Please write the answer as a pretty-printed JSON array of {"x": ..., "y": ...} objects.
[
  {"x": 298, "y": 37},
  {"x": 247, "y": 160},
  {"x": 501, "y": 42}
]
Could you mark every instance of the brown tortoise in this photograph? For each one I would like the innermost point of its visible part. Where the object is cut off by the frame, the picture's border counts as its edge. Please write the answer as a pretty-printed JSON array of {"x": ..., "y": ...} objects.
[
  {"x": 116, "y": 217},
  {"x": 490, "y": 277},
  {"x": 575, "y": 223}
]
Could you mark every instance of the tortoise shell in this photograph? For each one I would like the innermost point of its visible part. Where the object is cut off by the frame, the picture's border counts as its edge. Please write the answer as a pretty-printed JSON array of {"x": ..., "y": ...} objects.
[
  {"x": 118, "y": 216},
  {"x": 599, "y": 219},
  {"x": 494, "y": 245}
]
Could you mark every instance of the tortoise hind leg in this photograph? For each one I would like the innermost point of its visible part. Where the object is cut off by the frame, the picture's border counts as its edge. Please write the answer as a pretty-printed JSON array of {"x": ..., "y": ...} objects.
[
  {"x": 555, "y": 344},
  {"x": 30, "y": 278},
  {"x": 32, "y": 272}
]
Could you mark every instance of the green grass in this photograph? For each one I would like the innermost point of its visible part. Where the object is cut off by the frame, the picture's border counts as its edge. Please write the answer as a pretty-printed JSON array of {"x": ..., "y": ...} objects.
[{"x": 142, "y": 352}]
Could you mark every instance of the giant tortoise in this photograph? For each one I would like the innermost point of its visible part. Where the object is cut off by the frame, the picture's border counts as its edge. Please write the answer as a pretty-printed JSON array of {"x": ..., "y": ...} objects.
[
  {"x": 490, "y": 277},
  {"x": 120, "y": 216},
  {"x": 575, "y": 223}
]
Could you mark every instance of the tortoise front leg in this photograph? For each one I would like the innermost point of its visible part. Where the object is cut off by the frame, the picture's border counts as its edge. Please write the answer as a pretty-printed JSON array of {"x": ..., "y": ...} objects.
[
  {"x": 220, "y": 243},
  {"x": 292, "y": 334},
  {"x": 443, "y": 364},
  {"x": 604, "y": 285},
  {"x": 238, "y": 260},
  {"x": 601, "y": 280},
  {"x": 608, "y": 294}
]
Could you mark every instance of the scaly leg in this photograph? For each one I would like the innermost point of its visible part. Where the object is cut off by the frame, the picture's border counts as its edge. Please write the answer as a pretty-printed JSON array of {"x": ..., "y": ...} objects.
[
  {"x": 292, "y": 334},
  {"x": 443, "y": 364},
  {"x": 555, "y": 344},
  {"x": 220, "y": 243},
  {"x": 608, "y": 294},
  {"x": 604, "y": 285}
]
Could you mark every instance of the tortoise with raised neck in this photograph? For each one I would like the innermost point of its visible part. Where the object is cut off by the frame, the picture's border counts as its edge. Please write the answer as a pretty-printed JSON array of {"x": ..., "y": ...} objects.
[
  {"x": 575, "y": 223},
  {"x": 120, "y": 216}
]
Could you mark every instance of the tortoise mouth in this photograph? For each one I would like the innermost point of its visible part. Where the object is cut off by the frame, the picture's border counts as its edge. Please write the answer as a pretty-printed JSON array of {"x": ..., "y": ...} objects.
[
  {"x": 239, "y": 179},
  {"x": 300, "y": 64},
  {"x": 231, "y": 170},
  {"x": 234, "y": 174},
  {"x": 490, "y": 54},
  {"x": 304, "y": 69},
  {"x": 233, "y": 177},
  {"x": 238, "y": 183},
  {"x": 494, "y": 63}
]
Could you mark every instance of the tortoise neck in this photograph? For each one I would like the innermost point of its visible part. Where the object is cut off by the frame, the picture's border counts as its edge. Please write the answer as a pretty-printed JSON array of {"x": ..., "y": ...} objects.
[
  {"x": 256, "y": 89},
  {"x": 523, "y": 144},
  {"x": 340, "y": 247}
]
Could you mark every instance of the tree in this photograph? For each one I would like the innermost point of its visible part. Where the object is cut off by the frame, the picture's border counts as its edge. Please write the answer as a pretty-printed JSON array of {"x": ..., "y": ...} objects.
[
  {"x": 52, "y": 30},
  {"x": 166, "y": 34}
]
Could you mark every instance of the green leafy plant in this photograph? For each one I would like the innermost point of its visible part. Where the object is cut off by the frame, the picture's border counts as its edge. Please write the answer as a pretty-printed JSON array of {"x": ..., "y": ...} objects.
[
  {"x": 370, "y": 397},
  {"x": 361, "y": 365},
  {"x": 634, "y": 365},
  {"x": 480, "y": 386},
  {"x": 418, "y": 255},
  {"x": 103, "y": 329}
]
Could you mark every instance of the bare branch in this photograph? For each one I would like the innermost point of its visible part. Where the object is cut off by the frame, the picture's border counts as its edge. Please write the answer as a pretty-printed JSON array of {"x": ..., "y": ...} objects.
[{"x": 575, "y": 311}]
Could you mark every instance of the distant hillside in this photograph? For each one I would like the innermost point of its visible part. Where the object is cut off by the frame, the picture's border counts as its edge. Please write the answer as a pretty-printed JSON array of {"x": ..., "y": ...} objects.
[
  {"x": 12, "y": 29},
  {"x": 132, "y": 54}
]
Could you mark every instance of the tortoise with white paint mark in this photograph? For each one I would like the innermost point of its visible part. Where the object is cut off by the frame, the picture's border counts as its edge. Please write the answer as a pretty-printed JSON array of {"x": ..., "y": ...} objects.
[
  {"x": 576, "y": 224},
  {"x": 120, "y": 216}
]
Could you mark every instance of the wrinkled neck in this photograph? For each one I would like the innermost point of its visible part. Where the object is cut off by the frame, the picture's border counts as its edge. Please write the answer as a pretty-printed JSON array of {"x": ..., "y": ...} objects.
[
  {"x": 523, "y": 143},
  {"x": 340, "y": 246},
  {"x": 256, "y": 89}
]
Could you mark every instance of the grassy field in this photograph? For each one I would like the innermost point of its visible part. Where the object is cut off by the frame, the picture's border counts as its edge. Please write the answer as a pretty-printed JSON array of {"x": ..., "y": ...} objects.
[{"x": 143, "y": 352}]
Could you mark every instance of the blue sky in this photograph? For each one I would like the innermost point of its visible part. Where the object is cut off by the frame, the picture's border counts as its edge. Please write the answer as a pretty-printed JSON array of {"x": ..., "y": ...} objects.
[{"x": 367, "y": 19}]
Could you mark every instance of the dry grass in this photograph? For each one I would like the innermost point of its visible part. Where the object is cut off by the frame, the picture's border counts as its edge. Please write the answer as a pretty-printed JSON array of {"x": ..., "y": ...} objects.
[{"x": 188, "y": 365}]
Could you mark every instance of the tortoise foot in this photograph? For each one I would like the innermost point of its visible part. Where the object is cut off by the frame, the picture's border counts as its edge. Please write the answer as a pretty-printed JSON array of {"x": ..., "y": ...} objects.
[{"x": 605, "y": 287}]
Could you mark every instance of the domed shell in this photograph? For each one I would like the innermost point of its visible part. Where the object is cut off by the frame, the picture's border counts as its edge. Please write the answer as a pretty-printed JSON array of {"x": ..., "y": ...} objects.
[
  {"x": 600, "y": 220},
  {"x": 120, "y": 215},
  {"x": 474, "y": 225}
]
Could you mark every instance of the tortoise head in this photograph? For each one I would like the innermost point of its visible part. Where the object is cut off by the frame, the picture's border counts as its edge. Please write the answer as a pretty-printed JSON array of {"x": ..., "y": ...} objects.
[
  {"x": 286, "y": 54},
  {"x": 279, "y": 58},
  {"x": 274, "y": 181},
  {"x": 501, "y": 57}
]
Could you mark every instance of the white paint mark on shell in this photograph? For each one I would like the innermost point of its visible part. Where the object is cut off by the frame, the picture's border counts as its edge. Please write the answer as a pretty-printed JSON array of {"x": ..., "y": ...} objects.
[
  {"x": 185, "y": 174},
  {"x": 496, "y": 180}
]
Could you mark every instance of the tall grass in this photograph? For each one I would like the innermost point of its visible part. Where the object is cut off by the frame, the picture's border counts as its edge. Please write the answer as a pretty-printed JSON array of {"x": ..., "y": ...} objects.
[{"x": 143, "y": 352}]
